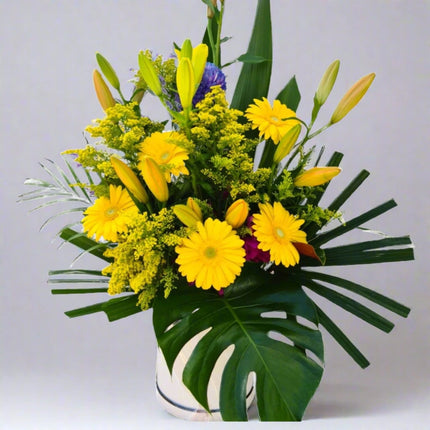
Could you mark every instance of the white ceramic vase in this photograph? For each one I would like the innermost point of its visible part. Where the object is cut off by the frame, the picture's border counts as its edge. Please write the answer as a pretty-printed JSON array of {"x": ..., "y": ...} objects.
[{"x": 175, "y": 397}]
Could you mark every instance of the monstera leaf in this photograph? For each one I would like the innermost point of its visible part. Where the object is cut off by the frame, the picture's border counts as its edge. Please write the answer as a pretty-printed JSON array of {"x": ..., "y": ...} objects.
[{"x": 286, "y": 376}]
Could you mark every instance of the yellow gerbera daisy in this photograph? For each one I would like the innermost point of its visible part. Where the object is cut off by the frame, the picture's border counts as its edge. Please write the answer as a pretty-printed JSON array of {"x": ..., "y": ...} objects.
[
  {"x": 271, "y": 122},
  {"x": 212, "y": 256},
  {"x": 109, "y": 216},
  {"x": 276, "y": 230},
  {"x": 169, "y": 156}
]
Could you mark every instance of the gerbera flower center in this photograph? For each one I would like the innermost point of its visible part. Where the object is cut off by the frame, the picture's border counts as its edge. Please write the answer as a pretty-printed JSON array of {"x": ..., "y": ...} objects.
[
  {"x": 210, "y": 252},
  {"x": 111, "y": 212},
  {"x": 165, "y": 156},
  {"x": 279, "y": 232},
  {"x": 274, "y": 119}
]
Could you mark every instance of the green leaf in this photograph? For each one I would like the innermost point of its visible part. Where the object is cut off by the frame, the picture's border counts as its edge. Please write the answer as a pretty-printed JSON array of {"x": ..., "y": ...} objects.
[
  {"x": 290, "y": 95},
  {"x": 342, "y": 339},
  {"x": 251, "y": 59},
  {"x": 367, "y": 293},
  {"x": 81, "y": 240},
  {"x": 359, "y": 253},
  {"x": 350, "y": 305},
  {"x": 79, "y": 291},
  {"x": 115, "y": 309},
  {"x": 286, "y": 377},
  {"x": 348, "y": 191},
  {"x": 353, "y": 223},
  {"x": 254, "y": 79}
]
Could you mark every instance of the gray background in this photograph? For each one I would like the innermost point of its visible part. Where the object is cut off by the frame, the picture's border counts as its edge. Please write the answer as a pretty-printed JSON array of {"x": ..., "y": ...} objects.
[{"x": 90, "y": 374}]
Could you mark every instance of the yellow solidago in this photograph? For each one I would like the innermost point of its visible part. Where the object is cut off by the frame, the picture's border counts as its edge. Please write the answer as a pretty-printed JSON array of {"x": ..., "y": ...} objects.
[
  {"x": 212, "y": 256},
  {"x": 272, "y": 122},
  {"x": 109, "y": 216},
  {"x": 276, "y": 230},
  {"x": 168, "y": 151},
  {"x": 222, "y": 152},
  {"x": 123, "y": 129},
  {"x": 140, "y": 259}
]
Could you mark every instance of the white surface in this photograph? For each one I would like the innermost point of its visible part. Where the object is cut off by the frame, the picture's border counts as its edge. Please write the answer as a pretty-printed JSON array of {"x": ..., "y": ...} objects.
[{"x": 88, "y": 374}]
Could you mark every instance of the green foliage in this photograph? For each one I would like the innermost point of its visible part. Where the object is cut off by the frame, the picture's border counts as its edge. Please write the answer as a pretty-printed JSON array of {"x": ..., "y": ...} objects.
[
  {"x": 254, "y": 78},
  {"x": 236, "y": 319}
]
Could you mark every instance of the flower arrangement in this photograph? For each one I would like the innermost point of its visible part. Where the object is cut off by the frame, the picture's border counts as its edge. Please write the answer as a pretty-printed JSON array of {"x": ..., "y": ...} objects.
[{"x": 212, "y": 218}]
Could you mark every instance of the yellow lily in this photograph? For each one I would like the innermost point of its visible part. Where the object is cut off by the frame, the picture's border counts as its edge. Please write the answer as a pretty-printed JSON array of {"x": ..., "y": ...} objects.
[
  {"x": 198, "y": 60},
  {"x": 130, "y": 180},
  {"x": 185, "y": 82},
  {"x": 316, "y": 176},
  {"x": 103, "y": 93},
  {"x": 186, "y": 215},
  {"x": 352, "y": 97},
  {"x": 237, "y": 213},
  {"x": 191, "y": 203},
  {"x": 154, "y": 179},
  {"x": 189, "y": 75},
  {"x": 286, "y": 144}
]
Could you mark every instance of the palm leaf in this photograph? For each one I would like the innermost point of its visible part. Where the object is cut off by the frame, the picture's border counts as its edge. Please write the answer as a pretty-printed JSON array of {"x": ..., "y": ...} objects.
[
  {"x": 115, "y": 309},
  {"x": 237, "y": 319},
  {"x": 342, "y": 339},
  {"x": 82, "y": 241}
]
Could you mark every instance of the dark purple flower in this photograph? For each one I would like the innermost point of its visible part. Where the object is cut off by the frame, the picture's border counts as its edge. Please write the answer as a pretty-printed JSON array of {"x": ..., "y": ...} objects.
[
  {"x": 253, "y": 252},
  {"x": 211, "y": 76}
]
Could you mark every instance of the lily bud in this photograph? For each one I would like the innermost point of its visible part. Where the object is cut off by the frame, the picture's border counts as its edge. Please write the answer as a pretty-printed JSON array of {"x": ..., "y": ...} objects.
[
  {"x": 286, "y": 144},
  {"x": 130, "y": 180},
  {"x": 210, "y": 10},
  {"x": 154, "y": 179},
  {"x": 149, "y": 74},
  {"x": 186, "y": 215},
  {"x": 185, "y": 82},
  {"x": 352, "y": 97},
  {"x": 327, "y": 81},
  {"x": 187, "y": 49},
  {"x": 103, "y": 93},
  {"x": 237, "y": 213},
  {"x": 108, "y": 70},
  {"x": 195, "y": 208},
  {"x": 316, "y": 176},
  {"x": 198, "y": 60}
]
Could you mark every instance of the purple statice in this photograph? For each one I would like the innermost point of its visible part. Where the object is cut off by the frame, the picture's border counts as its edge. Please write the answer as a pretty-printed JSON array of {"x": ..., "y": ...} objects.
[{"x": 211, "y": 76}]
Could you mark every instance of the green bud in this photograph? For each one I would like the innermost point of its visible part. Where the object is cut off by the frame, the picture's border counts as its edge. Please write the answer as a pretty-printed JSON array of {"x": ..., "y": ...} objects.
[
  {"x": 327, "y": 81},
  {"x": 149, "y": 74},
  {"x": 108, "y": 71},
  {"x": 187, "y": 49}
]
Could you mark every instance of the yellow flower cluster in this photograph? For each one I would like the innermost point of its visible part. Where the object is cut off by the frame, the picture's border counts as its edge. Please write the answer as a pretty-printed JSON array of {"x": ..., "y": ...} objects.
[
  {"x": 227, "y": 156},
  {"x": 123, "y": 129},
  {"x": 141, "y": 258}
]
